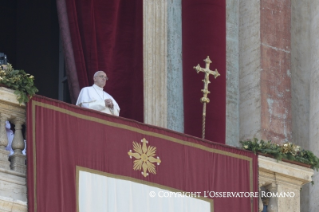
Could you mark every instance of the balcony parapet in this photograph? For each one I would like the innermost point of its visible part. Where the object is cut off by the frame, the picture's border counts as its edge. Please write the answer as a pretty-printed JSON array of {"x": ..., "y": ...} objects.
[
  {"x": 12, "y": 168},
  {"x": 274, "y": 176},
  {"x": 281, "y": 178}
]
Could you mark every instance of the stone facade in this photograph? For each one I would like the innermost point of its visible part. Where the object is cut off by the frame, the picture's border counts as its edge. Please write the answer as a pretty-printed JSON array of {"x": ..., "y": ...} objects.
[{"x": 272, "y": 90}]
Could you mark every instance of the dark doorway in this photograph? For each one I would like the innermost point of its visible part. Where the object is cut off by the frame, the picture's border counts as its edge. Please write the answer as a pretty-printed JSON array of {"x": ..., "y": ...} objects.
[{"x": 30, "y": 39}]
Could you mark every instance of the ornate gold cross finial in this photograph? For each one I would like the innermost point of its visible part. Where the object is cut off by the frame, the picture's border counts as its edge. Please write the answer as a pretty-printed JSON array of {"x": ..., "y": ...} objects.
[{"x": 206, "y": 81}]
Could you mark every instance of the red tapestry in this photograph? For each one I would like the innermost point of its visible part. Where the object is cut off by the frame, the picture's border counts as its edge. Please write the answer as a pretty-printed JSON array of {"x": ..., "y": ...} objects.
[
  {"x": 62, "y": 137},
  {"x": 204, "y": 34}
]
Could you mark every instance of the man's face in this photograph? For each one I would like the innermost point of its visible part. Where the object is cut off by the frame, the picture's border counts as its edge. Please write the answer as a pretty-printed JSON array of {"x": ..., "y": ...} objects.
[{"x": 100, "y": 79}]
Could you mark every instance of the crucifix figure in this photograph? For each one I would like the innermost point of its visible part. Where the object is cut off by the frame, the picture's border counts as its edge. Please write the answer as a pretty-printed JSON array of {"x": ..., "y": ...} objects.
[{"x": 206, "y": 81}]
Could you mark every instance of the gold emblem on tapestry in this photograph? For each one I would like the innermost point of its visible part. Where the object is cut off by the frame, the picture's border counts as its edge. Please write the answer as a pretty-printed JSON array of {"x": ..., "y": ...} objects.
[{"x": 145, "y": 157}]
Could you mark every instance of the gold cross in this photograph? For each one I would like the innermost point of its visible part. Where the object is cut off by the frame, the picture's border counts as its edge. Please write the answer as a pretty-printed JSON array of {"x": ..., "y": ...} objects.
[{"x": 206, "y": 81}]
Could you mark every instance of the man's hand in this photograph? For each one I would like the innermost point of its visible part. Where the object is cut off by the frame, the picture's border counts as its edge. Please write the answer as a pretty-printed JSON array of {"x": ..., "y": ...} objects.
[{"x": 108, "y": 103}]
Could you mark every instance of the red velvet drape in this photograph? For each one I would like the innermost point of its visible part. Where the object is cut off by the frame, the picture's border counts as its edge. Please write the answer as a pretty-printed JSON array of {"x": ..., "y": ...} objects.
[
  {"x": 204, "y": 34},
  {"x": 107, "y": 35}
]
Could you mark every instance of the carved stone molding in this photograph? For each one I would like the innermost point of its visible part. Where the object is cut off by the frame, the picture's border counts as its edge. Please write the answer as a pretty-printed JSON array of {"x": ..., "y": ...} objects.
[
  {"x": 271, "y": 170},
  {"x": 10, "y": 205},
  {"x": 9, "y": 104},
  {"x": 282, "y": 177}
]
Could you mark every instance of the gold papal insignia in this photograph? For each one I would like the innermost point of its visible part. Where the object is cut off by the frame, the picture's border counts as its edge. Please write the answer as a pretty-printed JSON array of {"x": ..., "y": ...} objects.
[{"x": 145, "y": 157}]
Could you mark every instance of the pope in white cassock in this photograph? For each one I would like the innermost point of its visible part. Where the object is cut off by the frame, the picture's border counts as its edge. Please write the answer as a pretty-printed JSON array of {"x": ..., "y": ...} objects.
[{"x": 95, "y": 98}]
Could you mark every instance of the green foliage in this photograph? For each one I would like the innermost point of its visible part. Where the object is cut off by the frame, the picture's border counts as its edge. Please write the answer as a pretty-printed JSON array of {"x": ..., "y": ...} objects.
[
  {"x": 21, "y": 82},
  {"x": 286, "y": 151}
]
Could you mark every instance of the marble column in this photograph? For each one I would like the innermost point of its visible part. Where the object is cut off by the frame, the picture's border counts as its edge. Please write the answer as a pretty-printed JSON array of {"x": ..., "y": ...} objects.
[
  {"x": 275, "y": 81},
  {"x": 232, "y": 72},
  {"x": 175, "y": 111},
  {"x": 301, "y": 69},
  {"x": 155, "y": 62},
  {"x": 162, "y": 52},
  {"x": 314, "y": 101},
  {"x": 249, "y": 70},
  {"x": 264, "y": 63}
]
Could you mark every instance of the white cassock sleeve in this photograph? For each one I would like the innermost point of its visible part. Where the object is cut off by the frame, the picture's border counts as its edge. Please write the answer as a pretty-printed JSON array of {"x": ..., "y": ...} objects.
[
  {"x": 85, "y": 100},
  {"x": 116, "y": 107},
  {"x": 88, "y": 100}
]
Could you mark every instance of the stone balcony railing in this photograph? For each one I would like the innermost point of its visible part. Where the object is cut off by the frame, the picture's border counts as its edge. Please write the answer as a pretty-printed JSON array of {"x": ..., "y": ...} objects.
[
  {"x": 13, "y": 190},
  {"x": 274, "y": 176}
]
